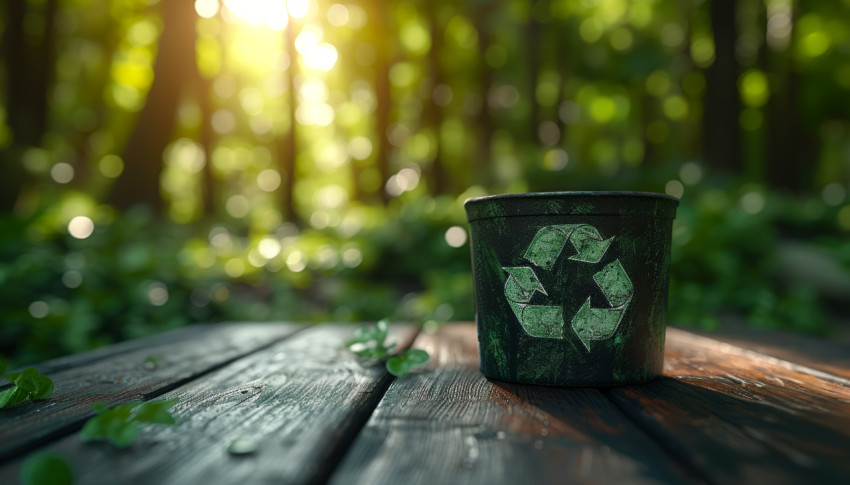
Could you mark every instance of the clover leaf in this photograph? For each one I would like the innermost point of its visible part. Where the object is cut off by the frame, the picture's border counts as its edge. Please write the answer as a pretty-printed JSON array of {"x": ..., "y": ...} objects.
[
  {"x": 45, "y": 467},
  {"x": 29, "y": 385},
  {"x": 119, "y": 425},
  {"x": 399, "y": 365},
  {"x": 369, "y": 342}
]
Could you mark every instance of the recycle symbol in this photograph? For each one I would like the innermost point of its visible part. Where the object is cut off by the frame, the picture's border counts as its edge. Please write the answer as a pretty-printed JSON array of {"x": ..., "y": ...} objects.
[{"x": 547, "y": 321}]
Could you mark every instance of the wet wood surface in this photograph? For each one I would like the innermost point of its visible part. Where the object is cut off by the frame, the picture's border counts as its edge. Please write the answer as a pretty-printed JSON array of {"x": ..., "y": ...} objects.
[
  {"x": 126, "y": 377},
  {"x": 727, "y": 410}
]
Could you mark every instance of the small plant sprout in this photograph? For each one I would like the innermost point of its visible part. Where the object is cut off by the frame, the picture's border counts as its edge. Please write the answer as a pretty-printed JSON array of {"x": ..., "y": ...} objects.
[{"x": 370, "y": 343}]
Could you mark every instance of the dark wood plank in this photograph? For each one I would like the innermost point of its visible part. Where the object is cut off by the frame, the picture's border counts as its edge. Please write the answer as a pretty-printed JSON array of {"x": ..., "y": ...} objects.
[
  {"x": 741, "y": 417},
  {"x": 449, "y": 424},
  {"x": 180, "y": 334},
  {"x": 302, "y": 400},
  {"x": 125, "y": 377}
]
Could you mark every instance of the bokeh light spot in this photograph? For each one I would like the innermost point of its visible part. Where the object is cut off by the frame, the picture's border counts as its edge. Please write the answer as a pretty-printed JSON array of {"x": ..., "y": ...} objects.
[
  {"x": 690, "y": 173},
  {"x": 455, "y": 236},
  {"x": 752, "y": 203},
  {"x": 206, "y": 8},
  {"x": 111, "y": 166},
  {"x": 674, "y": 188},
  {"x": 39, "y": 309},
  {"x": 268, "y": 180},
  {"x": 338, "y": 15},
  {"x": 80, "y": 227},
  {"x": 157, "y": 294},
  {"x": 834, "y": 194},
  {"x": 62, "y": 173}
]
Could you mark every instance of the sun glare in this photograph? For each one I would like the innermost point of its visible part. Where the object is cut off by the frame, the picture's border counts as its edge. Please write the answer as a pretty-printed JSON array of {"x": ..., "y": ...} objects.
[{"x": 272, "y": 13}]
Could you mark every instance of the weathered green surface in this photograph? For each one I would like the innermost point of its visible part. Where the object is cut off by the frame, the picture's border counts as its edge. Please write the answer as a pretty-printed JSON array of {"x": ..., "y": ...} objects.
[{"x": 571, "y": 288}]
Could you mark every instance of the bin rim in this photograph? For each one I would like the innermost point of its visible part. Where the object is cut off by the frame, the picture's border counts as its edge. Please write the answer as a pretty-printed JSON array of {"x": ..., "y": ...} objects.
[{"x": 610, "y": 203}]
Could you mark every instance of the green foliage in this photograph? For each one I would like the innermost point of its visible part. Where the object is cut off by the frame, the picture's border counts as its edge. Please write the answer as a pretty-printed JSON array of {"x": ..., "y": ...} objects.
[
  {"x": 613, "y": 97},
  {"x": 46, "y": 469},
  {"x": 369, "y": 342},
  {"x": 400, "y": 365},
  {"x": 725, "y": 262},
  {"x": 119, "y": 425},
  {"x": 28, "y": 385}
]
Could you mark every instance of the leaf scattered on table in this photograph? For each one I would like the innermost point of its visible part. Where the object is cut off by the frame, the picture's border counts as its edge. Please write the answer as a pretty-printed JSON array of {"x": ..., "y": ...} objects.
[
  {"x": 119, "y": 425},
  {"x": 400, "y": 365},
  {"x": 46, "y": 468},
  {"x": 370, "y": 342},
  {"x": 29, "y": 385}
]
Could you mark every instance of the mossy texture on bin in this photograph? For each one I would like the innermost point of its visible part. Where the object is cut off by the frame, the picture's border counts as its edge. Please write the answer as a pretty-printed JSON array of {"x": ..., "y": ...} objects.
[{"x": 571, "y": 287}]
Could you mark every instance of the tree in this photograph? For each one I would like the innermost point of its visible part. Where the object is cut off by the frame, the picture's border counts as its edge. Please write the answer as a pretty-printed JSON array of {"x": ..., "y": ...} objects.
[
  {"x": 722, "y": 105},
  {"x": 29, "y": 63},
  {"x": 174, "y": 65}
]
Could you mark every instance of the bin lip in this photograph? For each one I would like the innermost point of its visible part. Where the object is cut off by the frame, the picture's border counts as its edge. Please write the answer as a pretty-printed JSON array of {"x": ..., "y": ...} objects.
[{"x": 528, "y": 204}]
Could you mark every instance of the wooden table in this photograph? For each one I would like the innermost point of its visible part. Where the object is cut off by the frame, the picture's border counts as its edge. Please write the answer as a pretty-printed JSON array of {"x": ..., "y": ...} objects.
[{"x": 727, "y": 411}]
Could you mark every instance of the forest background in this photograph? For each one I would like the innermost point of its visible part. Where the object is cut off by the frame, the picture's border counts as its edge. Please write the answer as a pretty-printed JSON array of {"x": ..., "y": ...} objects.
[{"x": 176, "y": 161}]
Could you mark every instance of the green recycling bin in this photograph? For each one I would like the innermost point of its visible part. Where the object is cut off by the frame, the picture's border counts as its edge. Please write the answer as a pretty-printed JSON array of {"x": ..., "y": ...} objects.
[{"x": 571, "y": 287}]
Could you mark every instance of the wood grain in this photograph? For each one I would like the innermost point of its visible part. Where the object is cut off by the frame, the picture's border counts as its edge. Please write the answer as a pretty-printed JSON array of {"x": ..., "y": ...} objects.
[
  {"x": 739, "y": 416},
  {"x": 126, "y": 377},
  {"x": 180, "y": 334},
  {"x": 301, "y": 400},
  {"x": 828, "y": 356},
  {"x": 449, "y": 424}
]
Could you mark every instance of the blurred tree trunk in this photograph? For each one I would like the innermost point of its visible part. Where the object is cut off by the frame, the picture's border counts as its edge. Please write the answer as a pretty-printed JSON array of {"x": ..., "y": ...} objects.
[
  {"x": 564, "y": 32},
  {"x": 482, "y": 163},
  {"x": 175, "y": 60},
  {"x": 722, "y": 103},
  {"x": 433, "y": 111},
  {"x": 29, "y": 59},
  {"x": 206, "y": 139},
  {"x": 289, "y": 145},
  {"x": 791, "y": 151},
  {"x": 532, "y": 52},
  {"x": 648, "y": 113},
  {"x": 384, "y": 98}
]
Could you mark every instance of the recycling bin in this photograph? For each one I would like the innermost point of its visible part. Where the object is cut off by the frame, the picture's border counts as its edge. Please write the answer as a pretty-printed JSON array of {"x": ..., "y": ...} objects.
[{"x": 571, "y": 287}]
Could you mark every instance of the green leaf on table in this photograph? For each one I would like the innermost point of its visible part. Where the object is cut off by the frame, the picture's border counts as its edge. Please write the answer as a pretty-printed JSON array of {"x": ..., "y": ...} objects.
[
  {"x": 13, "y": 395},
  {"x": 369, "y": 342},
  {"x": 46, "y": 468},
  {"x": 401, "y": 364},
  {"x": 29, "y": 385},
  {"x": 119, "y": 425},
  {"x": 155, "y": 412}
]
